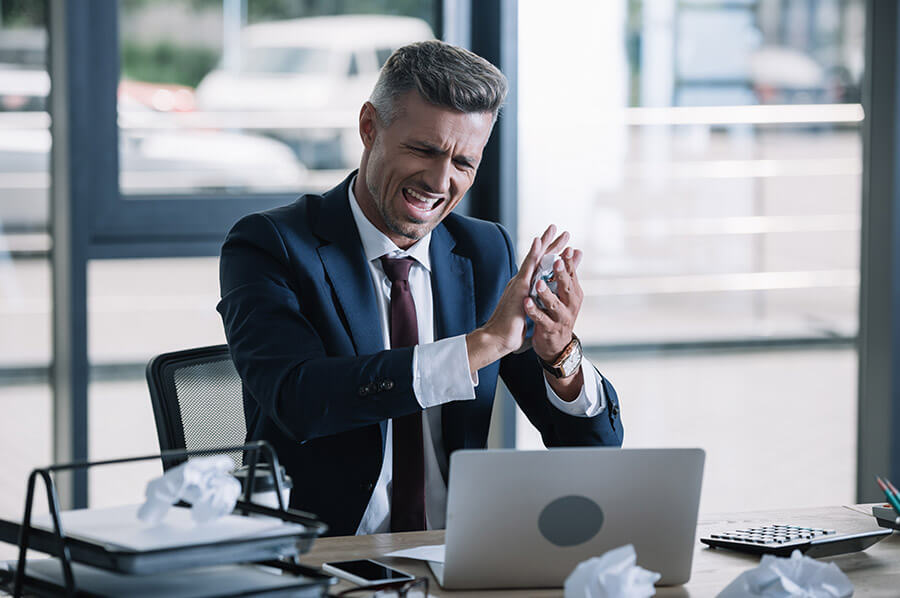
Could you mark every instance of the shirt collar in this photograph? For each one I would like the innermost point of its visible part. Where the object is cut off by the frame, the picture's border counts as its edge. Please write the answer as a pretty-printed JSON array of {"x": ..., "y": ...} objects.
[{"x": 376, "y": 244}]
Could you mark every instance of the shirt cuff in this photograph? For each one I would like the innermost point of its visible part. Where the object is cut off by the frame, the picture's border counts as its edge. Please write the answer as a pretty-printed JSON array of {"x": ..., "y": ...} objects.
[
  {"x": 441, "y": 372},
  {"x": 590, "y": 401}
]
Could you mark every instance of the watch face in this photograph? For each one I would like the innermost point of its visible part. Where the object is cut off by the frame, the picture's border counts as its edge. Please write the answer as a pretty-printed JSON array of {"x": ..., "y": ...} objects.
[{"x": 570, "y": 364}]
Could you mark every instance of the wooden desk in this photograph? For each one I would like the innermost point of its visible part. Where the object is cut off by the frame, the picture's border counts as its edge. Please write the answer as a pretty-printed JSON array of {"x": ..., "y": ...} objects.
[{"x": 874, "y": 572}]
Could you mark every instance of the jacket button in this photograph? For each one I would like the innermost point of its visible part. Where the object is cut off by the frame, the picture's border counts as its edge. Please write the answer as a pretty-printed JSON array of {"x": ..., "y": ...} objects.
[
  {"x": 386, "y": 384},
  {"x": 363, "y": 391}
]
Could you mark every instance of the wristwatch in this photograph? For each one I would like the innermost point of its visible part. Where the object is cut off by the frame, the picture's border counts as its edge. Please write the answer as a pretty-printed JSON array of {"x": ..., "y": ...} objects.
[{"x": 567, "y": 362}]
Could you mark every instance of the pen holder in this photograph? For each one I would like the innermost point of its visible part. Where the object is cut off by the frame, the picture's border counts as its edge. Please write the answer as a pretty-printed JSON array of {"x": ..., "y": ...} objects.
[
  {"x": 885, "y": 516},
  {"x": 264, "y": 485}
]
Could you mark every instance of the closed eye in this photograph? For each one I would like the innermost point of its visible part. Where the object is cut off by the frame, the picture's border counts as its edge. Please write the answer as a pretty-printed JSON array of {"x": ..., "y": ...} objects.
[
  {"x": 429, "y": 151},
  {"x": 424, "y": 151}
]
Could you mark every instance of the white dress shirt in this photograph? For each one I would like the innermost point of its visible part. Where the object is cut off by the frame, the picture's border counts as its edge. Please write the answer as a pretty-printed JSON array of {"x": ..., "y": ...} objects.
[{"x": 440, "y": 374}]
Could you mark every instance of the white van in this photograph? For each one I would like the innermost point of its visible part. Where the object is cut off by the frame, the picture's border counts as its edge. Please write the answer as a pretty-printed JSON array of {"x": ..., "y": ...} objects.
[{"x": 317, "y": 72}]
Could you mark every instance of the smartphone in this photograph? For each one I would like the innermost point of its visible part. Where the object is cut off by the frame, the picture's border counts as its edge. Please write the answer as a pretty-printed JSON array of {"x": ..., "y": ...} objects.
[{"x": 366, "y": 572}]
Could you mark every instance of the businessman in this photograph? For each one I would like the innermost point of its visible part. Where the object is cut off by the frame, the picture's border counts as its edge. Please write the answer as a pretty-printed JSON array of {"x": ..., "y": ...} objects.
[{"x": 369, "y": 324}]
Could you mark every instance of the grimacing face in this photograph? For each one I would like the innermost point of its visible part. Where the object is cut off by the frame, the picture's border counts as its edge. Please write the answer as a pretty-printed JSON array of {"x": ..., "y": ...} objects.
[{"x": 416, "y": 170}]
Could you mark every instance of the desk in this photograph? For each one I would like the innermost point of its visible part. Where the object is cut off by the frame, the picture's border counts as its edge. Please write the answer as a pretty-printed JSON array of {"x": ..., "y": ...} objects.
[{"x": 874, "y": 572}]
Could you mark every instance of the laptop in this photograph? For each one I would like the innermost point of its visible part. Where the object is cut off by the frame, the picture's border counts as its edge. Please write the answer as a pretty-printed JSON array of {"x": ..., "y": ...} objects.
[{"x": 525, "y": 519}]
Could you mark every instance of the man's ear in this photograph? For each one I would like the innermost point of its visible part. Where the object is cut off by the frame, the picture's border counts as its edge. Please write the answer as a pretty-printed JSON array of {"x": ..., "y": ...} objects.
[{"x": 367, "y": 124}]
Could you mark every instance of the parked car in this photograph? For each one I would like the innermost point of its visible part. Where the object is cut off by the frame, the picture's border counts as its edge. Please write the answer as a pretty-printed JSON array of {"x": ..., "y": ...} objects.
[
  {"x": 152, "y": 160},
  {"x": 24, "y": 82},
  {"x": 320, "y": 69}
]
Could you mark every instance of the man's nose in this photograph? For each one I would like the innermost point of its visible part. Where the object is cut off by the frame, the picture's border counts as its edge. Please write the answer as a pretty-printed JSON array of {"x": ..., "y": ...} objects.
[{"x": 437, "y": 177}]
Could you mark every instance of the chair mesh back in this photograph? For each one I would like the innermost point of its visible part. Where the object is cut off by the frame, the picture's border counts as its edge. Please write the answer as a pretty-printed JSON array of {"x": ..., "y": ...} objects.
[{"x": 211, "y": 405}]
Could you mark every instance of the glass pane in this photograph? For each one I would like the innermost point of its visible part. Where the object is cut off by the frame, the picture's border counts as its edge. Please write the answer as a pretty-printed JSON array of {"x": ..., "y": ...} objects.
[
  {"x": 706, "y": 157},
  {"x": 251, "y": 97},
  {"x": 25, "y": 398},
  {"x": 138, "y": 309}
]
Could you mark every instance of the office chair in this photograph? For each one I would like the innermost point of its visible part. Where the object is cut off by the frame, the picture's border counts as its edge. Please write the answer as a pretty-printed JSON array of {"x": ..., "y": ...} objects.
[{"x": 197, "y": 399}]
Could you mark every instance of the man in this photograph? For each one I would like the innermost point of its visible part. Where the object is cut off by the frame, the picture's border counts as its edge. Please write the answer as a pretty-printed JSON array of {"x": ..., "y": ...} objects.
[{"x": 369, "y": 324}]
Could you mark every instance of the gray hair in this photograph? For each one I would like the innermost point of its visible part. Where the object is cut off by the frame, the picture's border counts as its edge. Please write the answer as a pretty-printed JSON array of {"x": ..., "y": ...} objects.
[{"x": 444, "y": 75}]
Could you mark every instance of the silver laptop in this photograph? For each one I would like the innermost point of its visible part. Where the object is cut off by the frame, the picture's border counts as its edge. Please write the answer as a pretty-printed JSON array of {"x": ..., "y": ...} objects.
[{"x": 525, "y": 519}]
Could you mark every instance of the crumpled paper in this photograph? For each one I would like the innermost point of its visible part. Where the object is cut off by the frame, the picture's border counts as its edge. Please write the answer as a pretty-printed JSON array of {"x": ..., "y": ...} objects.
[
  {"x": 544, "y": 272},
  {"x": 798, "y": 576},
  {"x": 205, "y": 482},
  {"x": 613, "y": 575}
]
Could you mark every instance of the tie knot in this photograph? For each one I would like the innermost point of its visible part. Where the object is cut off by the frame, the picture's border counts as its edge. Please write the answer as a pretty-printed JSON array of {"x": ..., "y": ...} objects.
[{"x": 397, "y": 269}]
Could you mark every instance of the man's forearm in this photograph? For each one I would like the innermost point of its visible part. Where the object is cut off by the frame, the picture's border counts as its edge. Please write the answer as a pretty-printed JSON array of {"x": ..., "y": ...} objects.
[{"x": 483, "y": 349}]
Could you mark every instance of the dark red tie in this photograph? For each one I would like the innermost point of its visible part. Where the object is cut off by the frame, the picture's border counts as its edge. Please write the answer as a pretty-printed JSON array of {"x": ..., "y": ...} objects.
[{"x": 408, "y": 475}]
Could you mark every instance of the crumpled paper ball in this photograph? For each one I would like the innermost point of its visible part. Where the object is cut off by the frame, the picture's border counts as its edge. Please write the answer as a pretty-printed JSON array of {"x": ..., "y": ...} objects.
[
  {"x": 796, "y": 577},
  {"x": 544, "y": 272},
  {"x": 613, "y": 575},
  {"x": 204, "y": 482}
]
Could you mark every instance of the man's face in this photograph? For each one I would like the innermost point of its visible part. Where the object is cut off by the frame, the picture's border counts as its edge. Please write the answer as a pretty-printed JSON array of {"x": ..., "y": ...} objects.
[{"x": 419, "y": 167}]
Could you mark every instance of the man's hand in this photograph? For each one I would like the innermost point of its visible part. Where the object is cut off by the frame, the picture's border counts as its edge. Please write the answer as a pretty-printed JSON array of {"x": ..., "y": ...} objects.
[
  {"x": 554, "y": 324},
  {"x": 505, "y": 331}
]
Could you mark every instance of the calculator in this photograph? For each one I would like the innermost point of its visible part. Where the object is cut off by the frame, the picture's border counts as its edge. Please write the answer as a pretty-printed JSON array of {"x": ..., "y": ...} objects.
[{"x": 782, "y": 540}]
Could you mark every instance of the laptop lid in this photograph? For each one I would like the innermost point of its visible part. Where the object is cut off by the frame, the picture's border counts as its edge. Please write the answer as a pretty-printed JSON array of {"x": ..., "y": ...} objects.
[{"x": 525, "y": 519}]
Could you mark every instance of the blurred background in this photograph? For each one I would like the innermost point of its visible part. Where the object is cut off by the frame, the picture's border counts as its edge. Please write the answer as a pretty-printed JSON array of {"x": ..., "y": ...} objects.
[{"x": 706, "y": 156}]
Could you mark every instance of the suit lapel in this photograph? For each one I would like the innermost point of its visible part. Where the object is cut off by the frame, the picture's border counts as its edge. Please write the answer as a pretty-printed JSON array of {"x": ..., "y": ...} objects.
[
  {"x": 347, "y": 270},
  {"x": 453, "y": 289},
  {"x": 452, "y": 286}
]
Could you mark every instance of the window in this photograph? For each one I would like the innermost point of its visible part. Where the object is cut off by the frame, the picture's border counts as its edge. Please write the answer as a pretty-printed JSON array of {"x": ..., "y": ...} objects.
[
  {"x": 25, "y": 397},
  {"x": 707, "y": 159},
  {"x": 267, "y": 101}
]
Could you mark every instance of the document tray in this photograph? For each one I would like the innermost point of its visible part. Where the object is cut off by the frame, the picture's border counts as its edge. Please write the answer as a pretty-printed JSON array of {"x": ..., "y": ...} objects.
[
  {"x": 45, "y": 578},
  {"x": 123, "y": 560},
  {"x": 114, "y": 543}
]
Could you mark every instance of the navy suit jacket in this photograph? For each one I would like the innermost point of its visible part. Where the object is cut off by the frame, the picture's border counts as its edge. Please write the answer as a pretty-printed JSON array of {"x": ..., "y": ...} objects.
[{"x": 302, "y": 323}]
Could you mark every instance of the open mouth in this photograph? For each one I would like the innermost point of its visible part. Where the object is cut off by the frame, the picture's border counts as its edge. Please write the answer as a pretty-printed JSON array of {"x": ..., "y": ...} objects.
[{"x": 421, "y": 203}]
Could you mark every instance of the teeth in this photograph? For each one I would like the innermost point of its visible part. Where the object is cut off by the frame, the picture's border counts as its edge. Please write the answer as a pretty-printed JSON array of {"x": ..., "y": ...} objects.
[{"x": 421, "y": 197}]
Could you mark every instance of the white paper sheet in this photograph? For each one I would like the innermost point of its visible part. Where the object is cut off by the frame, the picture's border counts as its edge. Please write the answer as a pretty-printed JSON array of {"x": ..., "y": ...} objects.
[
  {"x": 120, "y": 527},
  {"x": 433, "y": 553}
]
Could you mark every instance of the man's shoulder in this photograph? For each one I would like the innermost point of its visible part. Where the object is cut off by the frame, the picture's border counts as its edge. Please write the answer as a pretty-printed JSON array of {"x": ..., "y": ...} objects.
[
  {"x": 297, "y": 219},
  {"x": 300, "y": 213},
  {"x": 266, "y": 226}
]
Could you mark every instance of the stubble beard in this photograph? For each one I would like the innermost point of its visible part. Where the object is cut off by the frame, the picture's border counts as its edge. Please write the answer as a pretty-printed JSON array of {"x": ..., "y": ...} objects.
[{"x": 391, "y": 221}]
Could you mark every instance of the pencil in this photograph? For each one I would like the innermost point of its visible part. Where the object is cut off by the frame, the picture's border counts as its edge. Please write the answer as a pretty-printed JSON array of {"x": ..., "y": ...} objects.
[
  {"x": 891, "y": 497},
  {"x": 891, "y": 486},
  {"x": 896, "y": 494}
]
